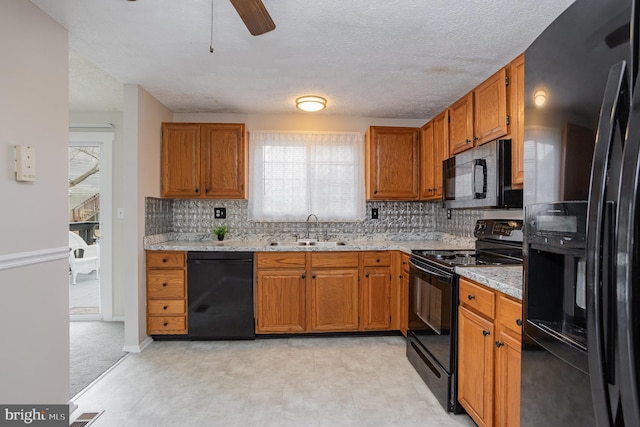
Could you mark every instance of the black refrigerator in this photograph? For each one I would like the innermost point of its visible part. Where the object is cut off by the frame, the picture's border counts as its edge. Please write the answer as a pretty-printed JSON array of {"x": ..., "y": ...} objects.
[{"x": 581, "y": 343}]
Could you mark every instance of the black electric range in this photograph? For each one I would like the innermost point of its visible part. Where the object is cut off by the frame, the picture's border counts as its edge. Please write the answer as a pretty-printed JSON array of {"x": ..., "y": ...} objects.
[{"x": 433, "y": 301}]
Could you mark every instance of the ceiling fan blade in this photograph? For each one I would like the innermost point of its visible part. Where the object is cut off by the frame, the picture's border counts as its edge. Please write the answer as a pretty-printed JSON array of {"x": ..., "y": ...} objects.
[{"x": 254, "y": 15}]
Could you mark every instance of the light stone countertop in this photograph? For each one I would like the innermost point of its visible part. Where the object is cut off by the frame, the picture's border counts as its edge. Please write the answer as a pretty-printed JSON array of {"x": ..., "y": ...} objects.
[
  {"x": 262, "y": 246},
  {"x": 504, "y": 278}
]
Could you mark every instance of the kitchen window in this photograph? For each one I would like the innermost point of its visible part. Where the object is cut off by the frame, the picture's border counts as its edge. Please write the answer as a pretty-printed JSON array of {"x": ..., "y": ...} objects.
[{"x": 294, "y": 174}]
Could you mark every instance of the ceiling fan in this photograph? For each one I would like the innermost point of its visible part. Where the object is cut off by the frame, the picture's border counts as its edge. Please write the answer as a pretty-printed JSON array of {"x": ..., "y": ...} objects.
[{"x": 254, "y": 15}]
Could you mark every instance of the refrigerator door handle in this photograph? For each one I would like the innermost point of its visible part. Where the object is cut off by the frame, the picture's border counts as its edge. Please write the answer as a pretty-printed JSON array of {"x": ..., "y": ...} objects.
[
  {"x": 613, "y": 113},
  {"x": 628, "y": 270}
]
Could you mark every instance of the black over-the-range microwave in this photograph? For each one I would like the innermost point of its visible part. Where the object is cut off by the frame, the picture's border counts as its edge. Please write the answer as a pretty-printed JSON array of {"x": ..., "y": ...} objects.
[{"x": 480, "y": 178}]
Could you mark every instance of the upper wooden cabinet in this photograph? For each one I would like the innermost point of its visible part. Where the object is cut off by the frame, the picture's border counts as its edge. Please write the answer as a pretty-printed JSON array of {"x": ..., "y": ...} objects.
[
  {"x": 434, "y": 148},
  {"x": 516, "y": 113},
  {"x": 461, "y": 125},
  {"x": 392, "y": 163},
  {"x": 480, "y": 116},
  {"x": 490, "y": 108},
  {"x": 205, "y": 160}
]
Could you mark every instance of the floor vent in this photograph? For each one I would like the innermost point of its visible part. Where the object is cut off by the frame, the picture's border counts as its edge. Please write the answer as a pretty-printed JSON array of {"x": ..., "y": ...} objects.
[{"x": 85, "y": 419}]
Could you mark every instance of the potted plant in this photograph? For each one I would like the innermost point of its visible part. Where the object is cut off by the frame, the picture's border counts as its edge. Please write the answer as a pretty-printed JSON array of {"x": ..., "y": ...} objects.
[{"x": 220, "y": 232}]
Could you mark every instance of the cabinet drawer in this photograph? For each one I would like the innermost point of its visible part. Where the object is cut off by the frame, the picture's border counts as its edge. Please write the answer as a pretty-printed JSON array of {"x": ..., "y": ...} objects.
[
  {"x": 281, "y": 260},
  {"x": 375, "y": 259},
  {"x": 510, "y": 314},
  {"x": 165, "y": 284},
  {"x": 165, "y": 259},
  {"x": 166, "y": 325},
  {"x": 158, "y": 306},
  {"x": 480, "y": 299},
  {"x": 334, "y": 259}
]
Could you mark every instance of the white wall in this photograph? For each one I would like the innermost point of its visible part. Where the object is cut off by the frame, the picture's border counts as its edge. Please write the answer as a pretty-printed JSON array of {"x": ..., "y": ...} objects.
[
  {"x": 143, "y": 117},
  {"x": 34, "y": 298},
  {"x": 298, "y": 121}
]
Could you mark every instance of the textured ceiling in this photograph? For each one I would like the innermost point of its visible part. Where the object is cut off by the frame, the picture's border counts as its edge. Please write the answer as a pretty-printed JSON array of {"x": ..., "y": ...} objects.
[{"x": 371, "y": 58}]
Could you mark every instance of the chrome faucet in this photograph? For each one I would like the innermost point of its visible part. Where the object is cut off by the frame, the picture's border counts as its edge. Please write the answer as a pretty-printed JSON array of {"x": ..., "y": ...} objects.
[{"x": 317, "y": 225}]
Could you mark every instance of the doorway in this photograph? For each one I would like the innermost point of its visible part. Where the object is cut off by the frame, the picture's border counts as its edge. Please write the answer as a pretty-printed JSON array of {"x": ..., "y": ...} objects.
[{"x": 90, "y": 207}]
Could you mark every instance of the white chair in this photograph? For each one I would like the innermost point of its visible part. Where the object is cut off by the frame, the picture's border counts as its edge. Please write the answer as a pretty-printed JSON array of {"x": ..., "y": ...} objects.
[{"x": 85, "y": 261}]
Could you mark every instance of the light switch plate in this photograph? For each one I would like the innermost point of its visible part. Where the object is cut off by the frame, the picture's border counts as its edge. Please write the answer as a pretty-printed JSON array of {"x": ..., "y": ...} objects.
[{"x": 25, "y": 163}]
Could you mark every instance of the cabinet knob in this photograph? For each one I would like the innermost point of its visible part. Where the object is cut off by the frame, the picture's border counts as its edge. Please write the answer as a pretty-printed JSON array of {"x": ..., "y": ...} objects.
[
  {"x": 164, "y": 285},
  {"x": 471, "y": 297},
  {"x": 519, "y": 322},
  {"x": 165, "y": 307},
  {"x": 164, "y": 260},
  {"x": 375, "y": 191},
  {"x": 378, "y": 260},
  {"x": 366, "y": 275},
  {"x": 197, "y": 191},
  {"x": 466, "y": 141},
  {"x": 313, "y": 276},
  {"x": 206, "y": 190},
  {"x": 485, "y": 333},
  {"x": 499, "y": 344},
  {"x": 304, "y": 276},
  {"x": 165, "y": 324},
  {"x": 475, "y": 138}
]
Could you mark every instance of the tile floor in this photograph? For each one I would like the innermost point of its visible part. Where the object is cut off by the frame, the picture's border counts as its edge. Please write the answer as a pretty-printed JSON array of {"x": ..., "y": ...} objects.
[{"x": 316, "y": 381}]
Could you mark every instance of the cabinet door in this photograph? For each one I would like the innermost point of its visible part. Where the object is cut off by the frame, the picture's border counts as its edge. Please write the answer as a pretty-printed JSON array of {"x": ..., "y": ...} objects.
[
  {"x": 516, "y": 102},
  {"x": 475, "y": 366},
  {"x": 507, "y": 400},
  {"x": 392, "y": 163},
  {"x": 427, "y": 162},
  {"x": 490, "y": 108},
  {"x": 223, "y": 160},
  {"x": 440, "y": 150},
  {"x": 180, "y": 160},
  {"x": 280, "y": 301},
  {"x": 333, "y": 300},
  {"x": 461, "y": 125},
  {"x": 376, "y": 299}
]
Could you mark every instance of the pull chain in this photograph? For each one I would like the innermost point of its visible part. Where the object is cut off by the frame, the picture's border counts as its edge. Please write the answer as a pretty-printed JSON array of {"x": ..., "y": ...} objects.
[{"x": 211, "y": 45}]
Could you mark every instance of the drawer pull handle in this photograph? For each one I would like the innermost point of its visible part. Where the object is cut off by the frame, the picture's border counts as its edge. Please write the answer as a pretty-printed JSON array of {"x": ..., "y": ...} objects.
[
  {"x": 485, "y": 333},
  {"x": 471, "y": 297},
  {"x": 499, "y": 344},
  {"x": 519, "y": 322},
  {"x": 165, "y": 307}
]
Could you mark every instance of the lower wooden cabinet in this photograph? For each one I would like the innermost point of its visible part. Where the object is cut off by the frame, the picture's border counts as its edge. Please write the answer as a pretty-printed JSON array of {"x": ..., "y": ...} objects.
[
  {"x": 325, "y": 292},
  {"x": 404, "y": 294},
  {"x": 166, "y": 293},
  {"x": 489, "y": 351}
]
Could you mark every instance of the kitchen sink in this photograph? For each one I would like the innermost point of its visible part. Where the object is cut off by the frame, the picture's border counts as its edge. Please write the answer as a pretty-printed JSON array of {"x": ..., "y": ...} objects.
[{"x": 309, "y": 244}]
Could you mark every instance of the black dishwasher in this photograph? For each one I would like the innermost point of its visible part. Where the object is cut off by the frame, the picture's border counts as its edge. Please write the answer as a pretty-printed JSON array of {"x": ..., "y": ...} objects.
[{"x": 220, "y": 295}]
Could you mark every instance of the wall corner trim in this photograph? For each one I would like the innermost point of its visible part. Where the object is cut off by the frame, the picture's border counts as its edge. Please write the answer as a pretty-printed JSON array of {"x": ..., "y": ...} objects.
[{"x": 22, "y": 259}]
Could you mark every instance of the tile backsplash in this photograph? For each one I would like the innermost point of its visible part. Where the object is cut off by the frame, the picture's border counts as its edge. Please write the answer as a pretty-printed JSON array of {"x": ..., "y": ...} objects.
[{"x": 397, "y": 220}]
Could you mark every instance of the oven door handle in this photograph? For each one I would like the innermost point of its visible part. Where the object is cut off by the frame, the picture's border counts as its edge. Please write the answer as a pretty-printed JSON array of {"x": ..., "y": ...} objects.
[{"x": 431, "y": 272}]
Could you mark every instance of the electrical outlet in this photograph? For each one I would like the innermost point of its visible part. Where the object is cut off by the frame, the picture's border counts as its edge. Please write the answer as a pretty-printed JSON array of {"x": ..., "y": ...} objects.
[
  {"x": 220, "y": 213},
  {"x": 374, "y": 213},
  {"x": 448, "y": 213}
]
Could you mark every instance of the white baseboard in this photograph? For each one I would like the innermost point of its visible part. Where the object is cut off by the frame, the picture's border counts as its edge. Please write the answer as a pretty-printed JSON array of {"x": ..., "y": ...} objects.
[{"x": 138, "y": 348}]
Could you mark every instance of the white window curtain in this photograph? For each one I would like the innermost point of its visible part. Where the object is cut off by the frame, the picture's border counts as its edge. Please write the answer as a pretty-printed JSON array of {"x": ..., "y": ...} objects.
[{"x": 295, "y": 174}]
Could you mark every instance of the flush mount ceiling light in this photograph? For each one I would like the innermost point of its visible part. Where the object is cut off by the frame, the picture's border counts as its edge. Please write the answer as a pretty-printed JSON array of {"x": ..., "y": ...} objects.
[
  {"x": 540, "y": 97},
  {"x": 311, "y": 103}
]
